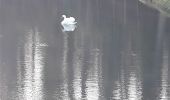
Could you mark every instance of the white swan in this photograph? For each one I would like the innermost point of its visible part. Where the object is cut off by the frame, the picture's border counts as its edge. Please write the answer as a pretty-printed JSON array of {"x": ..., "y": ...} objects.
[{"x": 68, "y": 24}]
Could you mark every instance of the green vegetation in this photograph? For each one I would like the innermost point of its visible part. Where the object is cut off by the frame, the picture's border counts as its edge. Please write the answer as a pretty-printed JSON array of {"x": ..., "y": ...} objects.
[{"x": 162, "y": 5}]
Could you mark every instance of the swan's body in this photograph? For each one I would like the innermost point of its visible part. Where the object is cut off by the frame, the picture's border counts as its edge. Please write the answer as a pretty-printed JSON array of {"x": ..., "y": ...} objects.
[{"x": 68, "y": 24}]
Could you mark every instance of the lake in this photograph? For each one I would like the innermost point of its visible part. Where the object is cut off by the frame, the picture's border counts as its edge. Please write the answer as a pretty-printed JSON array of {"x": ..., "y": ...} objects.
[{"x": 119, "y": 51}]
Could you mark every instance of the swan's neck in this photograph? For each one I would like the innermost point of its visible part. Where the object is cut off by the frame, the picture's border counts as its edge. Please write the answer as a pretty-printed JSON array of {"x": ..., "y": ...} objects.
[{"x": 64, "y": 17}]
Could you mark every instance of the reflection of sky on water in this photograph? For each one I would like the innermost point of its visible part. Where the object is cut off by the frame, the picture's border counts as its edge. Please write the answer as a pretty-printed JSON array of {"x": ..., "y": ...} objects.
[
  {"x": 38, "y": 71},
  {"x": 88, "y": 87},
  {"x": 128, "y": 88},
  {"x": 164, "y": 89},
  {"x": 117, "y": 91},
  {"x": 90, "y": 80},
  {"x": 78, "y": 60},
  {"x": 93, "y": 75},
  {"x": 134, "y": 87},
  {"x": 3, "y": 86},
  {"x": 30, "y": 68}
]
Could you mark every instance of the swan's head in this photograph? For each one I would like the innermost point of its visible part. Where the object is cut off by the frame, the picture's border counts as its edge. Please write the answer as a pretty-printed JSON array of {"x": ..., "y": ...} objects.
[{"x": 64, "y": 16}]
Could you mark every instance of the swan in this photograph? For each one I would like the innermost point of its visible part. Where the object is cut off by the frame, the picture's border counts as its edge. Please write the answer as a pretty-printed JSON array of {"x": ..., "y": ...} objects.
[{"x": 68, "y": 24}]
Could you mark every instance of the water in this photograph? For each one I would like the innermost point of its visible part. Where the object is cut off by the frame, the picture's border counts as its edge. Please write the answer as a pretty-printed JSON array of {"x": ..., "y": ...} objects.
[{"x": 119, "y": 51}]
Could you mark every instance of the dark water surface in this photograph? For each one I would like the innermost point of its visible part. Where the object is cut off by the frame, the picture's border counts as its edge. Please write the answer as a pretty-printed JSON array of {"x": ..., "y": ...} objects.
[{"x": 119, "y": 51}]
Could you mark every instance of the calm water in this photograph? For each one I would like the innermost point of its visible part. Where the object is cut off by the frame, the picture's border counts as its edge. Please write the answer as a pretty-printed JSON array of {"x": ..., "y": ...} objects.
[{"x": 119, "y": 51}]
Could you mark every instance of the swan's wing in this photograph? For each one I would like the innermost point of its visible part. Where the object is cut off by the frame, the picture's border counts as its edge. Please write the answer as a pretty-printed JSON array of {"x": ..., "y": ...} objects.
[
  {"x": 68, "y": 22},
  {"x": 72, "y": 19}
]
